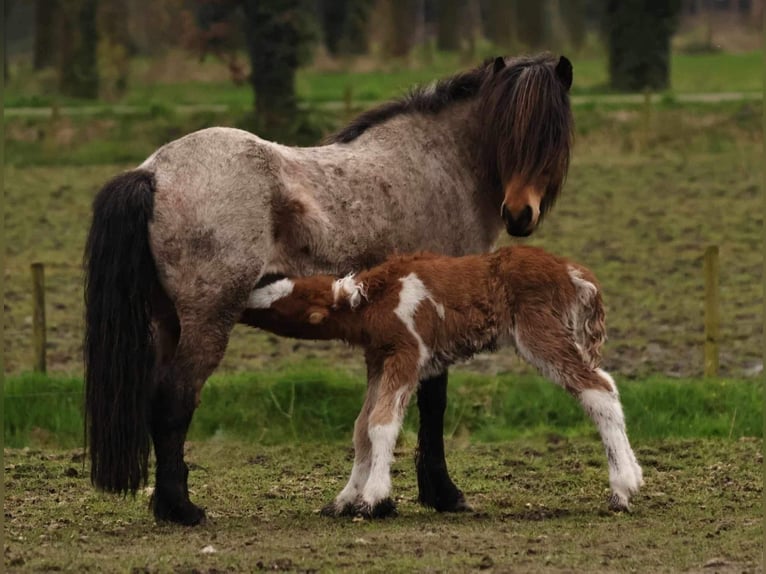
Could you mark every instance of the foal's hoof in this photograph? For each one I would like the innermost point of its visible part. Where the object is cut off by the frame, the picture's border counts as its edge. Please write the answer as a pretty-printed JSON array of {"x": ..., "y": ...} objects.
[
  {"x": 385, "y": 508},
  {"x": 186, "y": 514},
  {"x": 334, "y": 510},
  {"x": 619, "y": 503}
]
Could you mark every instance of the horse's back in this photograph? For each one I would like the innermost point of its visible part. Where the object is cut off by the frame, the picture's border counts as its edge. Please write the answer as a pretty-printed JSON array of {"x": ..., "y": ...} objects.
[{"x": 212, "y": 208}]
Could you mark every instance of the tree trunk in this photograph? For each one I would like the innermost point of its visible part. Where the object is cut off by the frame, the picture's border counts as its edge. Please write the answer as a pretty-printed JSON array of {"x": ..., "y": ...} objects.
[
  {"x": 355, "y": 27},
  {"x": 573, "y": 15},
  {"x": 501, "y": 23},
  {"x": 45, "y": 33},
  {"x": 278, "y": 34},
  {"x": 401, "y": 27},
  {"x": 6, "y": 13},
  {"x": 113, "y": 47},
  {"x": 530, "y": 23},
  {"x": 78, "y": 39},
  {"x": 638, "y": 34},
  {"x": 448, "y": 32}
]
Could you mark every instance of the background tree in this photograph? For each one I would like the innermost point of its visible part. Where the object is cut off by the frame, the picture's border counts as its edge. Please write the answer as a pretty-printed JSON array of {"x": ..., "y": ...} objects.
[
  {"x": 344, "y": 25},
  {"x": 638, "y": 35},
  {"x": 573, "y": 16},
  {"x": 45, "y": 33},
  {"x": 77, "y": 44},
  {"x": 400, "y": 26},
  {"x": 448, "y": 25},
  {"x": 500, "y": 23},
  {"x": 530, "y": 23},
  {"x": 278, "y": 34},
  {"x": 355, "y": 38},
  {"x": 113, "y": 47}
]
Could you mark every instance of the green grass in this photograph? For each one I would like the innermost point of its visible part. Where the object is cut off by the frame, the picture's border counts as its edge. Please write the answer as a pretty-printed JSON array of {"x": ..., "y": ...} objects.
[
  {"x": 689, "y": 73},
  {"x": 540, "y": 507},
  {"x": 309, "y": 403}
]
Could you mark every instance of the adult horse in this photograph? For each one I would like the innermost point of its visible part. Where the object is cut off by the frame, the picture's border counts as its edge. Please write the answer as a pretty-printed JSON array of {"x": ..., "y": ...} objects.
[{"x": 177, "y": 245}]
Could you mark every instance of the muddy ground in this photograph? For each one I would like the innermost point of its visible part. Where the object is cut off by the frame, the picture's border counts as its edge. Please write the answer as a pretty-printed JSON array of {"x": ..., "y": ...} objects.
[{"x": 540, "y": 506}]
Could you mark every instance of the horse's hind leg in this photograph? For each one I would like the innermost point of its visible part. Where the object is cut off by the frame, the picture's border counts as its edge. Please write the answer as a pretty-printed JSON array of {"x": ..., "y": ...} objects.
[
  {"x": 435, "y": 487},
  {"x": 202, "y": 342},
  {"x": 545, "y": 343}
]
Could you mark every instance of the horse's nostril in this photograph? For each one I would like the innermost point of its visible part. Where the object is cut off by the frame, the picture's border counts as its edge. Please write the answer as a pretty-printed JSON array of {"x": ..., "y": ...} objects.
[{"x": 525, "y": 218}]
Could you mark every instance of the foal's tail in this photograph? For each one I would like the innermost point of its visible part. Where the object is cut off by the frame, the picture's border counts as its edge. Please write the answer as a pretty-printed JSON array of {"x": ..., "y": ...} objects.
[
  {"x": 589, "y": 320},
  {"x": 120, "y": 276}
]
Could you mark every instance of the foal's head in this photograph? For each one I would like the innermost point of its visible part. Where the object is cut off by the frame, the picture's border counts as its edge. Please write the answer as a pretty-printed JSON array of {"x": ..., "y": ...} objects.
[
  {"x": 300, "y": 305},
  {"x": 527, "y": 135}
]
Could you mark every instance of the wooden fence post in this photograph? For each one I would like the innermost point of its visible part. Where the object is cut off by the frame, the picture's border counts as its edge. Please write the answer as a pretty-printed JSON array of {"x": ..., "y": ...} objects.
[
  {"x": 711, "y": 311},
  {"x": 38, "y": 316}
]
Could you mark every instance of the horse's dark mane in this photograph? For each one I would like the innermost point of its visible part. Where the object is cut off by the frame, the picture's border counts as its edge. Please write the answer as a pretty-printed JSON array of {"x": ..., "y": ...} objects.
[
  {"x": 429, "y": 99},
  {"x": 523, "y": 116}
]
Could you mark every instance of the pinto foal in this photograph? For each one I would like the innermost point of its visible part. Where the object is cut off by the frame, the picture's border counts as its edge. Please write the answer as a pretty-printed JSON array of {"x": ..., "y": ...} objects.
[{"x": 415, "y": 315}]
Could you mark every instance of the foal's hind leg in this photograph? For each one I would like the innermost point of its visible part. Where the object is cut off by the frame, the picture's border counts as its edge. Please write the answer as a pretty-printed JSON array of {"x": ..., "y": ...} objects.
[
  {"x": 545, "y": 343},
  {"x": 201, "y": 345}
]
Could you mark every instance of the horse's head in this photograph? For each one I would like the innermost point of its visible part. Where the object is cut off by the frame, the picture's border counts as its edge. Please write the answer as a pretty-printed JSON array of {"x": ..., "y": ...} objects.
[{"x": 527, "y": 135}]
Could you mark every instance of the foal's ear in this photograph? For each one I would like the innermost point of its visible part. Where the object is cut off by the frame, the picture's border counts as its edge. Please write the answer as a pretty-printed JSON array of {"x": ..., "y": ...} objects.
[
  {"x": 498, "y": 65},
  {"x": 564, "y": 72}
]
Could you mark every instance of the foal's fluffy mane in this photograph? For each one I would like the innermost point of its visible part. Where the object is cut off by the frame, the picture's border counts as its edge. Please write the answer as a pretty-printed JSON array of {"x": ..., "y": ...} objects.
[{"x": 349, "y": 288}]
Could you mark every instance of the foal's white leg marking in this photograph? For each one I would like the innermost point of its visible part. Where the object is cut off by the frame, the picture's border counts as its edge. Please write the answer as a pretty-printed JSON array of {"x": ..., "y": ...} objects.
[
  {"x": 625, "y": 475},
  {"x": 263, "y": 298},
  {"x": 383, "y": 439},
  {"x": 412, "y": 294},
  {"x": 353, "y": 489}
]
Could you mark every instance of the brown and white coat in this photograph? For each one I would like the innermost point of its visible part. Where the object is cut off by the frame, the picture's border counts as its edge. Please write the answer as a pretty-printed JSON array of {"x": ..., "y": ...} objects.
[{"x": 415, "y": 315}]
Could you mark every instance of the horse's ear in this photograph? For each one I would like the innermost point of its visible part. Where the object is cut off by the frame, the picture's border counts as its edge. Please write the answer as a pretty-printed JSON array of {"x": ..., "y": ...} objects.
[
  {"x": 564, "y": 72},
  {"x": 498, "y": 65}
]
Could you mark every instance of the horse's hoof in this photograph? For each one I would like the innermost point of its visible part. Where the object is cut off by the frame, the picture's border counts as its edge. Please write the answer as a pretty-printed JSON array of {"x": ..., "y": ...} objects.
[
  {"x": 186, "y": 514},
  {"x": 454, "y": 503},
  {"x": 385, "y": 508}
]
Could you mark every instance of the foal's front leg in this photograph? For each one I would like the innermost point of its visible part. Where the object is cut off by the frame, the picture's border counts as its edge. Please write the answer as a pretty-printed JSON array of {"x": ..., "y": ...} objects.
[
  {"x": 384, "y": 425},
  {"x": 348, "y": 498}
]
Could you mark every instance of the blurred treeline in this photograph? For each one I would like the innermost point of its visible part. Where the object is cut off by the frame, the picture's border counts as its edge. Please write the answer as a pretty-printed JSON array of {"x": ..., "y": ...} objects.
[{"x": 87, "y": 45}]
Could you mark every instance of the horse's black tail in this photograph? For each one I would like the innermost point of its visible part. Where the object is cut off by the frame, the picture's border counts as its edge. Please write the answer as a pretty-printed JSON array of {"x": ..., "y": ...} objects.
[{"x": 119, "y": 358}]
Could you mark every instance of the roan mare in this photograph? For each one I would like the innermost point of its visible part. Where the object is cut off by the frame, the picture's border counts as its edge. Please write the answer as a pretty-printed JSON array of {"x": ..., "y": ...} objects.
[
  {"x": 177, "y": 245},
  {"x": 416, "y": 315}
]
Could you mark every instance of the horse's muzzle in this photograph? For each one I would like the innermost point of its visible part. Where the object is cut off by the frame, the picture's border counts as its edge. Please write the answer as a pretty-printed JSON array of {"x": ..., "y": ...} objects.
[{"x": 521, "y": 225}]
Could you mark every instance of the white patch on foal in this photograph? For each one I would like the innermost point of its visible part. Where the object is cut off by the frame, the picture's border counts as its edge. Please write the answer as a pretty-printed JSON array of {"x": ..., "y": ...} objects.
[
  {"x": 347, "y": 287},
  {"x": 383, "y": 439},
  {"x": 412, "y": 294},
  {"x": 263, "y": 298}
]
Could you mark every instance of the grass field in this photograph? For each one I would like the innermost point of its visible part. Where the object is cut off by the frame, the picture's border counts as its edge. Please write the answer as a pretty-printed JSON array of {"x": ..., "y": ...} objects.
[
  {"x": 160, "y": 84},
  {"x": 540, "y": 506},
  {"x": 308, "y": 403}
]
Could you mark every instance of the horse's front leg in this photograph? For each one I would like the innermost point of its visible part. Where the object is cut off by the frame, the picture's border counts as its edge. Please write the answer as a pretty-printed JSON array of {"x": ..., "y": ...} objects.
[{"x": 435, "y": 488}]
